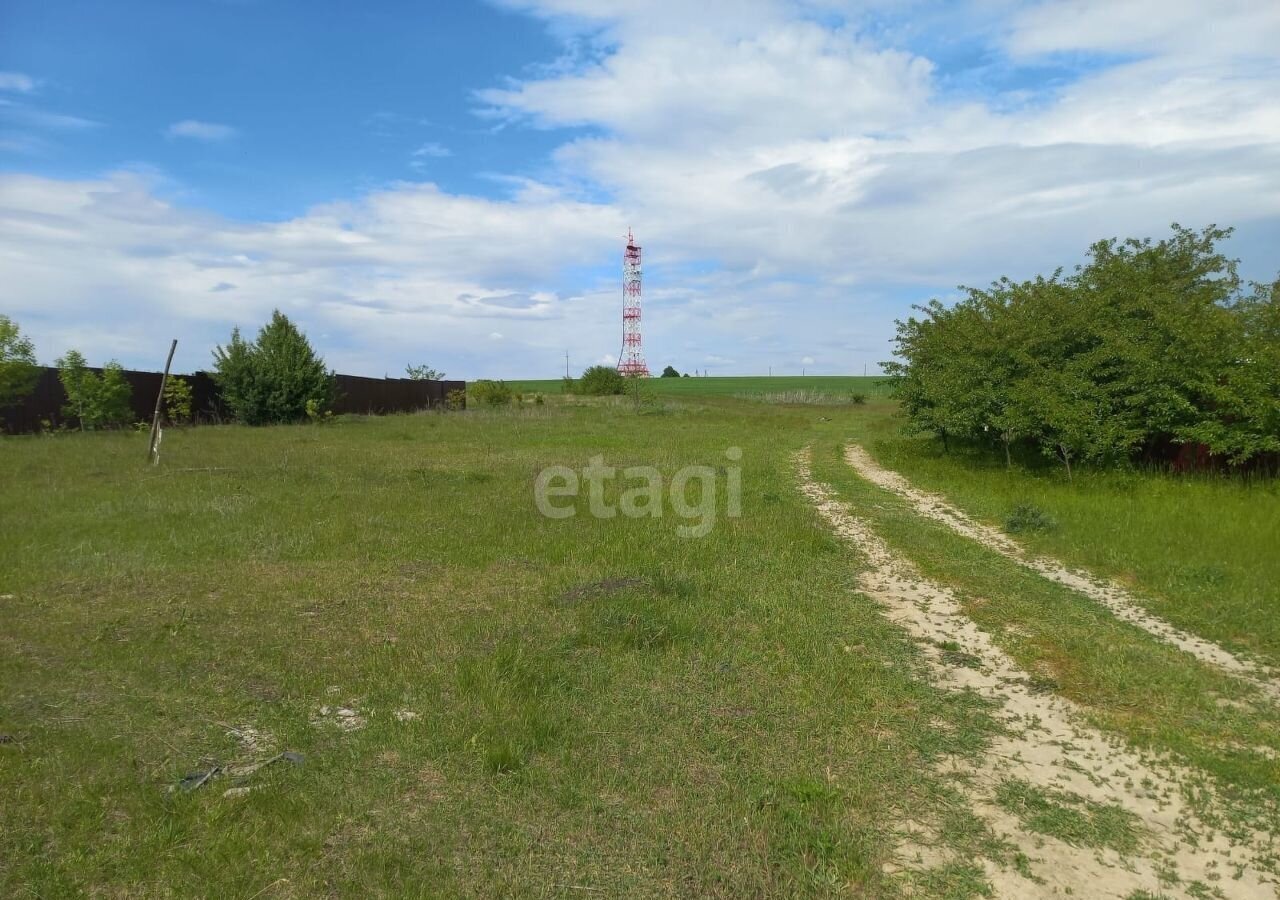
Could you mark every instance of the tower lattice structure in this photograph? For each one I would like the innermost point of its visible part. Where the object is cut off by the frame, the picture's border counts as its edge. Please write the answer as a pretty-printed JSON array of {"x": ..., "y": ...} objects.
[{"x": 631, "y": 359}]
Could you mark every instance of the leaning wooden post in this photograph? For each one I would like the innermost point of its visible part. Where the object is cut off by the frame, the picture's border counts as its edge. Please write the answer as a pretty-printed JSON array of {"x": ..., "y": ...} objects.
[{"x": 155, "y": 419}]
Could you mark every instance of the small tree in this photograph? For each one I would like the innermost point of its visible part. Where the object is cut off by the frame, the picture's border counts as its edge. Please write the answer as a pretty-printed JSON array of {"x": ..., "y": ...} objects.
[
  {"x": 670, "y": 372},
  {"x": 115, "y": 397},
  {"x": 18, "y": 370},
  {"x": 95, "y": 401},
  {"x": 277, "y": 378},
  {"x": 424, "y": 373},
  {"x": 177, "y": 401}
]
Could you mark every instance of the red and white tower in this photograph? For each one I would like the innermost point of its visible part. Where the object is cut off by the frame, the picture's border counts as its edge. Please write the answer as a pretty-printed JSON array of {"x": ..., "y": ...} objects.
[{"x": 631, "y": 359}]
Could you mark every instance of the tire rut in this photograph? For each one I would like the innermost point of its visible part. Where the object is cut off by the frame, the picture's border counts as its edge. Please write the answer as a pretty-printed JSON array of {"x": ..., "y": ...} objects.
[
  {"x": 1046, "y": 744},
  {"x": 1119, "y": 601}
]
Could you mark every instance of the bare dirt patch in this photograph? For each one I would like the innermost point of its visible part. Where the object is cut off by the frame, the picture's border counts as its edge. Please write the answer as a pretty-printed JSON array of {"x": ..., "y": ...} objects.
[
  {"x": 1121, "y": 602},
  {"x": 344, "y": 718},
  {"x": 1177, "y": 848}
]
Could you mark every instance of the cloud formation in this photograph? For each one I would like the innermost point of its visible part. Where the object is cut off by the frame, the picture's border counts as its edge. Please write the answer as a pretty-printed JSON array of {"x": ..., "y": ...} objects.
[
  {"x": 17, "y": 81},
  {"x": 200, "y": 131},
  {"x": 799, "y": 173}
]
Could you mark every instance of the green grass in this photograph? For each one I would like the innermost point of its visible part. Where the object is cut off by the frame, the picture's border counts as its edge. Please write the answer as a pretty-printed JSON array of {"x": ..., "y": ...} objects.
[
  {"x": 1203, "y": 551},
  {"x": 1070, "y": 817},
  {"x": 835, "y": 386},
  {"x": 1130, "y": 684},
  {"x": 601, "y": 706}
]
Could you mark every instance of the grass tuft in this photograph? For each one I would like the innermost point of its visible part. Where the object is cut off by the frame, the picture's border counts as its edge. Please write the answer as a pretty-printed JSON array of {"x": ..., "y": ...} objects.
[
  {"x": 1070, "y": 817},
  {"x": 1026, "y": 517}
]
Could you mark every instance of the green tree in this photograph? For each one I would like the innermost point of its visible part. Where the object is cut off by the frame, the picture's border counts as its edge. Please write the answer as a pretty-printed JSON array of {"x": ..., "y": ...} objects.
[
  {"x": 1246, "y": 399},
  {"x": 94, "y": 401},
  {"x": 115, "y": 397},
  {"x": 486, "y": 392},
  {"x": 277, "y": 378},
  {"x": 424, "y": 373},
  {"x": 601, "y": 381},
  {"x": 670, "y": 372},
  {"x": 18, "y": 369},
  {"x": 1147, "y": 345},
  {"x": 78, "y": 383},
  {"x": 177, "y": 400}
]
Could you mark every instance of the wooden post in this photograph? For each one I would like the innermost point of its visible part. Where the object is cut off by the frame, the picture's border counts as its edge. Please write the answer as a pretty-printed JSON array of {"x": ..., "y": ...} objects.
[{"x": 155, "y": 420}]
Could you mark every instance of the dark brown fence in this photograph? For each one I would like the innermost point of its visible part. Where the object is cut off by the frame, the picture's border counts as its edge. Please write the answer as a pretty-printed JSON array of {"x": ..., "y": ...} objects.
[{"x": 42, "y": 408}]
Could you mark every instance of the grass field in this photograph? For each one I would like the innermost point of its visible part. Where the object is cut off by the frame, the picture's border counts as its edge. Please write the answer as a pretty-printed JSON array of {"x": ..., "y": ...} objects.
[
  {"x": 836, "y": 387},
  {"x": 490, "y": 702}
]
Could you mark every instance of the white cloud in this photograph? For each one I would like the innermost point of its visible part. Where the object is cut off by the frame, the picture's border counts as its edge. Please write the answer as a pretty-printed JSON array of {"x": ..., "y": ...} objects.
[
  {"x": 433, "y": 150},
  {"x": 796, "y": 177},
  {"x": 1187, "y": 28},
  {"x": 200, "y": 131},
  {"x": 420, "y": 158},
  {"x": 108, "y": 264},
  {"x": 17, "y": 81}
]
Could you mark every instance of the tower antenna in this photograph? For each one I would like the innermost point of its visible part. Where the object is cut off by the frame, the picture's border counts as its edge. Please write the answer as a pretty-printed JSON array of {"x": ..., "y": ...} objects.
[{"x": 631, "y": 357}]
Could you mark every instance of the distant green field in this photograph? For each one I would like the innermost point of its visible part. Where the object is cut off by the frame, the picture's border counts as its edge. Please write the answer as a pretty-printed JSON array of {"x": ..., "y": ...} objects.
[{"x": 757, "y": 385}]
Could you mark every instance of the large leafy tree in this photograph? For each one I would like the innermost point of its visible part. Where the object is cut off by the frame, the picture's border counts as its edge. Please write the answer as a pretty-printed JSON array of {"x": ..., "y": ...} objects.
[
  {"x": 276, "y": 378},
  {"x": 1146, "y": 346},
  {"x": 18, "y": 369}
]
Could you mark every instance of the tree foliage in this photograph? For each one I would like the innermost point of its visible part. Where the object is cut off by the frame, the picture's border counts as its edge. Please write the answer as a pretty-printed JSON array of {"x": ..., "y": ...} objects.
[
  {"x": 177, "y": 401},
  {"x": 276, "y": 378},
  {"x": 601, "y": 381},
  {"x": 1144, "y": 347},
  {"x": 486, "y": 392},
  {"x": 670, "y": 372},
  {"x": 94, "y": 401},
  {"x": 424, "y": 373},
  {"x": 18, "y": 370}
]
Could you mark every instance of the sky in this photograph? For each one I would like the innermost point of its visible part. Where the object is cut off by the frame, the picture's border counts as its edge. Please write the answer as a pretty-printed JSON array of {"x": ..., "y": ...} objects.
[{"x": 450, "y": 183}]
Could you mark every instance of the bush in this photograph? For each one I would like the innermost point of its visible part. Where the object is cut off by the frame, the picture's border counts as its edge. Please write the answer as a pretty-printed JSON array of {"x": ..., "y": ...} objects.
[
  {"x": 1145, "y": 347},
  {"x": 18, "y": 370},
  {"x": 857, "y": 398},
  {"x": 486, "y": 392},
  {"x": 277, "y": 378},
  {"x": 177, "y": 401},
  {"x": 94, "y": 401},
  {"x": 456, "y": 399},
  {"x": 601, "y": 381},
  {"x": 1026, "y": 517}
]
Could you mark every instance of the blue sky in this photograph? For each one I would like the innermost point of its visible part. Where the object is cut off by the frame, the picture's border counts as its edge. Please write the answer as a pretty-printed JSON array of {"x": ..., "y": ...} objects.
[
  {"x": 449, "y": 182},
  {"x": 326, "y": 100}
]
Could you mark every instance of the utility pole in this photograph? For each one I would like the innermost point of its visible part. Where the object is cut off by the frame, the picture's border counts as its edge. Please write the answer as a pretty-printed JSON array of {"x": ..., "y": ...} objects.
[{"x": 566, "y": 364}]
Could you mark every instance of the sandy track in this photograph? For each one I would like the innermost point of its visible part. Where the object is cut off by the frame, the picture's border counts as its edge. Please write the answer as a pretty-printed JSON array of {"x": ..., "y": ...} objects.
[
  {"x": 1122, "y": 604},
  {"x": 1047, "y": 745}
]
